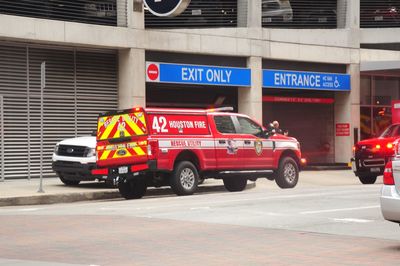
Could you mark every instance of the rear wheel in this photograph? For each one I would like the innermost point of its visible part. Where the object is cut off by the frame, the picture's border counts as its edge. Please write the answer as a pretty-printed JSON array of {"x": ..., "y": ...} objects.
[
  {"x": 368, "y": 179},
  {"x": 132, "y": 189},
  {"x": 287, "y": 173},
  {"x": 184, "y": 179},
  {"x": 68, "y": 182},
  {"x": 235, "y": 184}
]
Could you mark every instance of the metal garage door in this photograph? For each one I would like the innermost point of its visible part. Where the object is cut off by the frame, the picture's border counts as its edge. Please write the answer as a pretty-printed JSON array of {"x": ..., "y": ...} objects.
[{"x": 79, "y": 85}]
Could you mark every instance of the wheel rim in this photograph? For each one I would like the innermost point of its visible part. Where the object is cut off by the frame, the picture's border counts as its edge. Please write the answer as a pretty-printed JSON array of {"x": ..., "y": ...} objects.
[
  {"x": 289, "y": 172},
  {"x": 187, "y": 178}
]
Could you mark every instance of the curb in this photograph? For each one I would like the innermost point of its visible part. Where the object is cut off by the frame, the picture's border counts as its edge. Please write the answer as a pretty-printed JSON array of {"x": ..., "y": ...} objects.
[
  {"x": 58, "y": 198},
  {"x": 98, "y": 195}
]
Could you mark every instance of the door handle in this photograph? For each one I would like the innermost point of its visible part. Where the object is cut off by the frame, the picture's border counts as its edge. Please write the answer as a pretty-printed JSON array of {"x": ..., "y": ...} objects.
[
  {"x": 221, "y": 141},
  {"x": 247, "y": 142}
]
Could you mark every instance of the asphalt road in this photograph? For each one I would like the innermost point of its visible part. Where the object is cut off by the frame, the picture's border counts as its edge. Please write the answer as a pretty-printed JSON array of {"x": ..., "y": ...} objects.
[{"x": 329, "y": 219}]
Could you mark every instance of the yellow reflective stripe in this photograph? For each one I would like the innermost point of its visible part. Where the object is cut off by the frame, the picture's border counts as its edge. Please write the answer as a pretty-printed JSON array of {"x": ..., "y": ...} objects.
[
  {"x": 141, "y": 118},
  {"x": 109, "y": 128},
  {"x": 105, "y": 154},
  {"x": 132, "y": 125},
  {"x": 139, "y": 151}
]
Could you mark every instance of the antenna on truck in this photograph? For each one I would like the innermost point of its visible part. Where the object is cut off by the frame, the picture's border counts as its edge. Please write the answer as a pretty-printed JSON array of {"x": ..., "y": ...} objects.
[{"x": 221, "y": 109}]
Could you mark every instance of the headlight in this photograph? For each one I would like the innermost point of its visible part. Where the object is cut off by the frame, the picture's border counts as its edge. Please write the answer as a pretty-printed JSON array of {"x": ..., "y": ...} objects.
[
  {"x": 91, "y": 152},
  {"x": 56, "y": 149}
]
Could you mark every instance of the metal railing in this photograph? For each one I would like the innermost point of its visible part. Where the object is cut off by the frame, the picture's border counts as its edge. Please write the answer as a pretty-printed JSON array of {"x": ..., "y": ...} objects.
[
  {"x": 101, "y": 12},
  {"x": 199, "y": 14},
  {"x": 327, "y": 14},
  {"x": 379, "y": 14}
]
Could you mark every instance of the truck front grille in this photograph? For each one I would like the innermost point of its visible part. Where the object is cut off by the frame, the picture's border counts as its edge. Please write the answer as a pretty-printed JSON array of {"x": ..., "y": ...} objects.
[
  {"x": 374, "y": 162},
  {"x": 72, "y": 151}
]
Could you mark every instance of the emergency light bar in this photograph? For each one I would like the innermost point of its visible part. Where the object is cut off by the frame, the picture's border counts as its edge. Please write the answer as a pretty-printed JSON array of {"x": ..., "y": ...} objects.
[{"x": 221, "y": 109}]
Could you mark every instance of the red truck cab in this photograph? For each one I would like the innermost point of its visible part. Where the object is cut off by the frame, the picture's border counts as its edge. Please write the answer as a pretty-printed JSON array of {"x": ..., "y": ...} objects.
[
  {"x": 371, "y": 155},
  {"x": 143, "y": 147}
]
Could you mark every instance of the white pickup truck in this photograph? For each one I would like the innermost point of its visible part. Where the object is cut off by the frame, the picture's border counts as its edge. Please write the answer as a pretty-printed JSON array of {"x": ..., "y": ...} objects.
[{"x": 74, "y": 159}]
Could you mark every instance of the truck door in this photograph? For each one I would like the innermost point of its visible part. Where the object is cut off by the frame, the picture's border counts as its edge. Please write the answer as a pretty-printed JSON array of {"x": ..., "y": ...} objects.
[
  {"x": 228, "y": 148},
  {"x": 258, "y": 151}
]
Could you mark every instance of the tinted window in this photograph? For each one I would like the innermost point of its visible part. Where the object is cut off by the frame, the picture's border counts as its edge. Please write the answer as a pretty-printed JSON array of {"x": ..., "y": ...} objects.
[
  {"x": 224, "y": 124},
  {"x": 391, "y": 131},
  {"x": 248, "y": 126}
]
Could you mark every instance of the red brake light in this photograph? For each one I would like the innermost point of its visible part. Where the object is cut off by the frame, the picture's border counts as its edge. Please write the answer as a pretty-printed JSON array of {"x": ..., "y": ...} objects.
[
  {"x": 388, "y": 174},
  {"x": 102, "y": 172},
  {"x": 389, "y": 146},
  {"x": 378, "y": 146},
  {"x": 152, "y": 149}
]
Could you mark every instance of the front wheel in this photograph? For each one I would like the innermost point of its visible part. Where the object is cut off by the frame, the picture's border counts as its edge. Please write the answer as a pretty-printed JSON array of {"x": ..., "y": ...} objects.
[
  {"x": 367, "y": 180},
  {"x": 184, "y": 179},
  {"x": 288, "y": 173},
  {"x": 132, "y": 189},
  {"x": 235, "y": 184},
  {"x": 68, "y": 182}
]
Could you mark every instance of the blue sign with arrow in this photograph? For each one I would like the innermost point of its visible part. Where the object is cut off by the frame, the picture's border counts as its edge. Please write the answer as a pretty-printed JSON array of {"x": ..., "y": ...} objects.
[{"x": 282, "y": 79}]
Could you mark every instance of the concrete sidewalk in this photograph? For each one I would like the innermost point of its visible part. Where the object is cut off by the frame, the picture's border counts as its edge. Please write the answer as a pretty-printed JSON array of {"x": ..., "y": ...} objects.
[{"x": 25, "y": 192}]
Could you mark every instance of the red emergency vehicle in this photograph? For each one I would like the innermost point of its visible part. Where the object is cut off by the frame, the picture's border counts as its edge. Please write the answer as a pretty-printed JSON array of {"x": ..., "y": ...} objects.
[
  {"x": 371, "y": 155},
  {"x": 143, "y": 147}
]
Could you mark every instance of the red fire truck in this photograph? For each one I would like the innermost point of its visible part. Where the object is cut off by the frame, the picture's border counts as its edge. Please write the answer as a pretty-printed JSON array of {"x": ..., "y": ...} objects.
[{"x": 143, "y": 147}]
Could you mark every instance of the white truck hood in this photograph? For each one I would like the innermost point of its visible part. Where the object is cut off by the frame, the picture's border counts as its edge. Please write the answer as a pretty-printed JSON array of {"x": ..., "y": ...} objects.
[{"x": 87, "y": 141}]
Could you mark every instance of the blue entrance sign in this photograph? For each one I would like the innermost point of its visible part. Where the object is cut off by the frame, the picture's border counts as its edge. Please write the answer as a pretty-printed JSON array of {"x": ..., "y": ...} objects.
[
  {"x": 194, "y": 74},
  {"x": 306, "y": 80}
]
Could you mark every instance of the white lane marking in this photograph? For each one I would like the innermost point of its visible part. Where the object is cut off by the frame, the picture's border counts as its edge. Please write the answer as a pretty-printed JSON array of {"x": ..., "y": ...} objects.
[
  {"x": 224, "y": 200},
  {"x": 29, "y": 209},
  {"x": 341, "y": 210},
  {"x": 200, "y": 208},
  {"x": 352, "y": 220}
]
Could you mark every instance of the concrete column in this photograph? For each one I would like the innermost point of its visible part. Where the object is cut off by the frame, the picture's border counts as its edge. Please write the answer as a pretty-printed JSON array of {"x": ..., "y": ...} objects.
[
  {"x": 131, "y": 78},
  {"x": 136, "y": 10},
  {"x": 130, "y": 13},
  {"x": 250, "y": 99},
  {"x": 352, "y": 13},
  {"x": 122, "y": 13},
  {"x": 249, "y": 13},
  {"x": 347, "y": 110}
]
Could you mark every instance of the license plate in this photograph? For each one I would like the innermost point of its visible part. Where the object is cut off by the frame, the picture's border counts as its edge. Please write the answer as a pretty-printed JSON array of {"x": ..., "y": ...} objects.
[
  {"x": 123, "y": 170},
  {"x": 375, "y": 169}
]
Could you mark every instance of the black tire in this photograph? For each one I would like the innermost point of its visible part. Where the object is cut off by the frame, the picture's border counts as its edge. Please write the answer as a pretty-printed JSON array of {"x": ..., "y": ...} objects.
[
  {"x": 235, "y": 184},
  {"x": 201, "y": 181},
  {"x": 287, "y": 174},
  {"x": 367, "y": 180},
  {"x": 132, "y": 189},
  {"x": 68, "y": 182},
  {"x": 184, "y": 179}
]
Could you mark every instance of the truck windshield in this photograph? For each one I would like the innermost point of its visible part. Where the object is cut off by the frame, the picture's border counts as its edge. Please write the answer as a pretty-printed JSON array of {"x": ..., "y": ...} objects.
[
  {"x": 391, "y": 131},
  {"x": 121, "y": 125}
]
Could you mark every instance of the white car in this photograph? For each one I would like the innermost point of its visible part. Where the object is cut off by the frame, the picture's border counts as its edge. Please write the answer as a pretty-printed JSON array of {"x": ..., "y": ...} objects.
[
  {"x": 276, "y": 10},
  {"x": 73, "y": 159},
  {"x": 390, "y": 194}
]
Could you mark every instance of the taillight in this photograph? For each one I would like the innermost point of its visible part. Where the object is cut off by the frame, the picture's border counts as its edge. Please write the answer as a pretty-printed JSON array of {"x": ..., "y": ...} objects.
[
  {"x": 378, "y": 146},
  {"x": 389, "y": 146},
  {"x": 152, "y": 149},
  {"x": 388, "y": 174}
]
